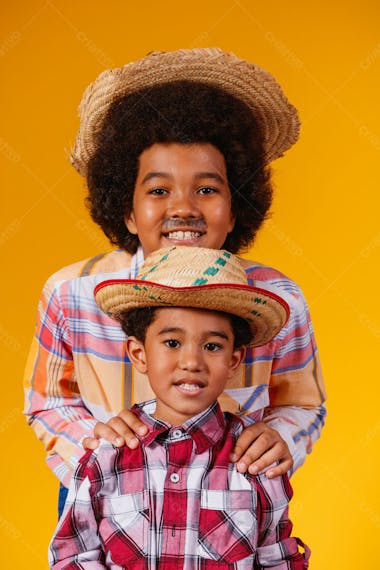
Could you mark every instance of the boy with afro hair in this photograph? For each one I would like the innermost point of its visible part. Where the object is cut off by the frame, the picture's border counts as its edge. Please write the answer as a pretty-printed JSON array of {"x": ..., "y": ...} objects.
[{"x": 175, "y": 150}]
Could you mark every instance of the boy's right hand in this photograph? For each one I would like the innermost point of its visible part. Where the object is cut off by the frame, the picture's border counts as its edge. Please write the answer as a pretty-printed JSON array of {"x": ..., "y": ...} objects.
[{"x": 119, "y": 430}]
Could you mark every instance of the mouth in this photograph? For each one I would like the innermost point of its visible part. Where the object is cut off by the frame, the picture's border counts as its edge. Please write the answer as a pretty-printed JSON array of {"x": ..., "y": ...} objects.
[
  {"x": 183, "y": 235},
  {"x": 191, "y": 388}
]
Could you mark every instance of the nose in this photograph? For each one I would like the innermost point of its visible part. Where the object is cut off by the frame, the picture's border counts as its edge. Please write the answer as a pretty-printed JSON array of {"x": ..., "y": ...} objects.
[
  {"x": 190, "y": 358},
  {"x": 183, "y": 204}
]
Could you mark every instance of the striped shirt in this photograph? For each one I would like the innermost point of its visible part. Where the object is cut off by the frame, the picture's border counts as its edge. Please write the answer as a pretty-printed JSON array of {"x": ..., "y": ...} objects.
[
  {"x": 175, "y": 503},
  {"x": 78, "y": 371}
]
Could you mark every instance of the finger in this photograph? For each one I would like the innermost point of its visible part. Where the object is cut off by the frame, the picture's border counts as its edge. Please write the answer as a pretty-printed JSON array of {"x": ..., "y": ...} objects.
[
  {"x": 265, "y": 442},
  {"x": 90, "y": 443},
  {"x": 278, "y": 454},
  {"x": 281, "y": 469},
  {"x": 246, "y": 439},
  {"x": 267, "y": 449},
  {"x": 134, "y": 424},
  {"x": 111, "y": 433},
  {"x": 125, "y": 434}
]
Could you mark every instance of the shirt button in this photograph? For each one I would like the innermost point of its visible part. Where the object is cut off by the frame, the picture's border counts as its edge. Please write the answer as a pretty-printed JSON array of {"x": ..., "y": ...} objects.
[
  {"x": 177, "y": 433},
  {"x": 174, "y": 477}
]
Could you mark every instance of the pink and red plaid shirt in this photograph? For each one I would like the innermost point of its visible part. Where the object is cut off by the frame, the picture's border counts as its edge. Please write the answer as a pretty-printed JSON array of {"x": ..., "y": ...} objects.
[
  {"x": 78, "y": 371},
  {"x": 175, "y": 503}
]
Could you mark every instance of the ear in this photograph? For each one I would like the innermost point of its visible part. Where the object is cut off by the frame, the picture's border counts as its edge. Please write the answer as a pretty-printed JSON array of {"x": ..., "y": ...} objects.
[
  {"x": 237, "y": 358},
  {"x": 130, "y": 222},
  {"x": 136, "y": 353}
]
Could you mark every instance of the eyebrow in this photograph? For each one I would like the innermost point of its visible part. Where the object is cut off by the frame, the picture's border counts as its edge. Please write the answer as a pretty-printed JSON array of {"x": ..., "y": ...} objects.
[
  {"x": 166, "y": 330},
  {"x": 198, "y": 176},
  {"x": 220, "y": 334}
]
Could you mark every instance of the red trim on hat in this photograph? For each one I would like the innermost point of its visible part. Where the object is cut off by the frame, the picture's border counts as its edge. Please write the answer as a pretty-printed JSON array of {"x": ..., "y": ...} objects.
[{"x": 197, "y": 288}]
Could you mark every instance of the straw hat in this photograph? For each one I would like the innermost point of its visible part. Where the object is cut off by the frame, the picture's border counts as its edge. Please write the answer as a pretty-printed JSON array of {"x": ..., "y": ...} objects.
[
  {"x": 199, "y": 278},
  {"x": 278, "y": 119}
]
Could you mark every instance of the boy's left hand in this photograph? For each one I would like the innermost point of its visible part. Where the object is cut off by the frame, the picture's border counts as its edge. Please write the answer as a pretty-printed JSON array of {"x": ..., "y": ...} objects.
[{"x": 258, "y": 447}]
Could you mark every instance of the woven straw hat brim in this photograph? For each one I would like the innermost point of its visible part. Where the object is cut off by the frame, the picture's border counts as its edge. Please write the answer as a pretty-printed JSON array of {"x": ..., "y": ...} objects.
[
  {"x": 266, "y": 312},
  {"x": 246, "y": 81}
]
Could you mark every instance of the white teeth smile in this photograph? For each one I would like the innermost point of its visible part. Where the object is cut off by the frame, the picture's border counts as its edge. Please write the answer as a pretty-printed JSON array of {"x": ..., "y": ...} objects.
[
  {"x": 190, "y": 387},
  {"x": 183, "y": 235}
]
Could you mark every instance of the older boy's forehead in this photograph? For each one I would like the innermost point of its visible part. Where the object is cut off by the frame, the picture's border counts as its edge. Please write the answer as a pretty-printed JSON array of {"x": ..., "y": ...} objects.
[{"x": 163, "y": 158}]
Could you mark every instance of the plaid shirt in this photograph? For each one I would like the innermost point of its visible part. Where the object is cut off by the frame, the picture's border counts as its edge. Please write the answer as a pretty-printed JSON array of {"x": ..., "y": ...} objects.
[
  {"x": 78, "y": 371},
  {"x": 175, "y": 502}
]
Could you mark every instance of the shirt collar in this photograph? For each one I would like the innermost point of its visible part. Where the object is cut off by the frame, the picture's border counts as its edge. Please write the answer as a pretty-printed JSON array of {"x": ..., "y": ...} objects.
[{"x": 206, "y": 428}]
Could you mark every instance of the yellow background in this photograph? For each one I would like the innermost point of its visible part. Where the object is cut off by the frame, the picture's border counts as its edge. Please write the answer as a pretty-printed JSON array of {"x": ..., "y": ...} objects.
[{"x": 324, "y": 231}]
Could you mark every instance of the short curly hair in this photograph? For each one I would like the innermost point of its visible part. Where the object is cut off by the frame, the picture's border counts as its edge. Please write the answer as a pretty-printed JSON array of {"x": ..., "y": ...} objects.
[{"x": 181, "y": 112}]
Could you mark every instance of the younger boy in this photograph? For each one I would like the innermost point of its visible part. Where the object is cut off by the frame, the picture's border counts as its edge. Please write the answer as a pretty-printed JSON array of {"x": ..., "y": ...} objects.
[{"x": 176, "y": 501}]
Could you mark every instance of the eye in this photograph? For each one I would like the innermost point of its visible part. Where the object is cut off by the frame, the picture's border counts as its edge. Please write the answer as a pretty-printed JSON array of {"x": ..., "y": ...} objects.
[
  {"x": 172, "y": 343},
  {"x": 158, "y": 191},
  {"x": 206, "y": 190},
  {"x": 212, "y": 346}
]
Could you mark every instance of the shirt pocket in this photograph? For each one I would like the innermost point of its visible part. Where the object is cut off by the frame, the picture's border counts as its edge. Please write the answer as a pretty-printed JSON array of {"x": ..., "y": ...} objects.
[
  {"x": 124, "y": 526},
  {"x": 227, "y": 526}
]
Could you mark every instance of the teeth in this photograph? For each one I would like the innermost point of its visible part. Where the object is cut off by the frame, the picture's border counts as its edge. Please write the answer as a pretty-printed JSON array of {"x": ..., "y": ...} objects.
[
  {"x": 190, "y": 387},
  {"x": 183, "y": 235}
]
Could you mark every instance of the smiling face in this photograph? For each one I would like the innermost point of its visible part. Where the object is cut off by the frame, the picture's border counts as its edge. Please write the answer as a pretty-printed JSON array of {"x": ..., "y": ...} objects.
[
  {"x": 188, "y": 355},
  {"x": 181, "y": 197}
]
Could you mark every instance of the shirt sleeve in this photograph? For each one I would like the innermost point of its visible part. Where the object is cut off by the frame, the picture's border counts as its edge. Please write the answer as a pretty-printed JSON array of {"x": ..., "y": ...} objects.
[
  {"x": 76, "y": 544},
  {"x": 53, "y": 404},
  {"x": 299, "y": 427},
  {"x": 276, "y": 547},
  {"x": 296, "y": 389}
]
